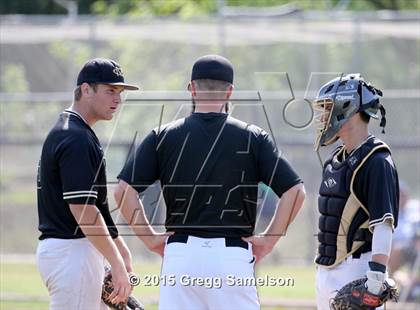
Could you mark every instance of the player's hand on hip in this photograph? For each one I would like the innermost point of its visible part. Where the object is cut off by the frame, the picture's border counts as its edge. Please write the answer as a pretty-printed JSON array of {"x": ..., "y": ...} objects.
[
  {"x": 261, "y": 245},
  {"x": 156, "y": 242},
  {"x": 122, "y": 286}
]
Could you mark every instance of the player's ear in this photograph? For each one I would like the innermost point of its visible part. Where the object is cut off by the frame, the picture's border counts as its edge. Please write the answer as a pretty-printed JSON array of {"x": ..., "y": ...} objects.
[
  {"x": 229, "y": 91},
  {"x": 85, "y": 88},
  {"x": 192, "y": 88}
]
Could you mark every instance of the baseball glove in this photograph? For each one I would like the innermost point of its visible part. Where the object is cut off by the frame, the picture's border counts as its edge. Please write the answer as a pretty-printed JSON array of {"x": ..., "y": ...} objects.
[
  {"x": 355, "y": 296},
  {"x": 107, "y": 288}
]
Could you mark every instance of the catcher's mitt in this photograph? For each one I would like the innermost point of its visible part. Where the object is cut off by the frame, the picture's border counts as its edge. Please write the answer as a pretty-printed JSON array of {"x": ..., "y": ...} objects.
[
  {"x": 355, "y": 296},
  {"x": 107, "y": 288}
]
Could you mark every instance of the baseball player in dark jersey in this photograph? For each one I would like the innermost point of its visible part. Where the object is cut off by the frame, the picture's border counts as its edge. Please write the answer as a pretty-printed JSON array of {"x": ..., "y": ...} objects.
[
  {"x": 358, "y": 196},
  {"x": 77, "y": 230},
  {"x": 209, "y": 165}
]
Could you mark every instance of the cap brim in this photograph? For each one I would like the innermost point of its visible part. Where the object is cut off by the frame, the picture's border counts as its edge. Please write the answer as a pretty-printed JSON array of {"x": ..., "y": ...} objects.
[{"x": 126, "y": 86}]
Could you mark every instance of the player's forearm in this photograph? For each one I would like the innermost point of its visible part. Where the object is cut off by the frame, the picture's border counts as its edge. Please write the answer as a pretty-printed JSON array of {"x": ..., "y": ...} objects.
[
  {"x": 381, "y": 259},
  {"x": 381, "y": 243},
  {"x": 94, "y": 228},
  {"x": 125, "y": 252},
  {"x": 107, "y": 248},
  {"x": 288, "y": 207},
  {"x": 122, "y": 247},
  {"x": 298, "y": 197},
  {"x": 381, "y": 249},
  {"x": 132, "y": 210}
]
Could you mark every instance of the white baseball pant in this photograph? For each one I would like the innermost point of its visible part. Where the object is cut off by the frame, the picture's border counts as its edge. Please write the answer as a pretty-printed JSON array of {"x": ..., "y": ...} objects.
[
  {"x": 195, "y": 275},
  {"x": 331, "y": 280},
  {"x": 73, "y": 272}
]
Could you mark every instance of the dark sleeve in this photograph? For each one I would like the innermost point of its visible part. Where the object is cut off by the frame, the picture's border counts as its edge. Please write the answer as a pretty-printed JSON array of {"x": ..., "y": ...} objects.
[
  {"x": 274, "y": 169},
  {"x": 112, "y": 228},
  {"x": 141, "y": 168},
  {"x": 380, "y": 189},
  {"x": 78, "y": 168}
]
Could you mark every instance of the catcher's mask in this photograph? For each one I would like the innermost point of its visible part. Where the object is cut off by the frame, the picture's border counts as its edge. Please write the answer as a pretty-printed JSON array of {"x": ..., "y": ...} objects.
[{"x": 340, "y": 99}]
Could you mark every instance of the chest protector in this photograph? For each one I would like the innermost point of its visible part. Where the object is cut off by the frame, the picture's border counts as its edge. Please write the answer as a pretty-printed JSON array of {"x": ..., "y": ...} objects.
[{"x": 344, "y": 220}]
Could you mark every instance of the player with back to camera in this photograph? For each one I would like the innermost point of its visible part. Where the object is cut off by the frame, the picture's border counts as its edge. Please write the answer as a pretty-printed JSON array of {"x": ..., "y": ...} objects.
[{"x": 209, "y": 165}]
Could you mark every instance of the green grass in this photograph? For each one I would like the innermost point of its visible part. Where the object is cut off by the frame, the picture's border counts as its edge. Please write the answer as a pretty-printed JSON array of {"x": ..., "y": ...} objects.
[
  {"x": 23, "y": 305},
  {"x": 304, "y": 282},
  {"x": 20, "y": 197},
  {"x": 22, "y": 279}
]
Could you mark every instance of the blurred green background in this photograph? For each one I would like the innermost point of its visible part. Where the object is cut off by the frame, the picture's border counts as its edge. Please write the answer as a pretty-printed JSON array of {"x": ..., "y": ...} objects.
[{"x": 43, "y": 45}]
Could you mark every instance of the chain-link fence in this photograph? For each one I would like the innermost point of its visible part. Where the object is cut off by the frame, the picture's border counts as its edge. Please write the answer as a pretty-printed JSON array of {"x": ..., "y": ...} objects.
[{"x": 276, "y": 60}]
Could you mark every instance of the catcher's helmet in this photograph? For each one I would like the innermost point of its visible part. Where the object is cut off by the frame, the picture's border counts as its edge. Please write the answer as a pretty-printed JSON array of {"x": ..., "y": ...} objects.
[{"x": 340, "y": 99}]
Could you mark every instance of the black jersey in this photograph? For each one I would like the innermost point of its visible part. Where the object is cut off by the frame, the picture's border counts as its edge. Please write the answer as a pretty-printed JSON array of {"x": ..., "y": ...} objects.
[
  {"x": 71, "y": 170},
  {"x": 377, "y": 186},
  {"x": 209, "y": 166}
]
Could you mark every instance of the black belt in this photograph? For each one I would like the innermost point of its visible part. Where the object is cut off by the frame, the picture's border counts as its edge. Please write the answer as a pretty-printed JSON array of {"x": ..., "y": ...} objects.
[{"x": 229, "y": 241}]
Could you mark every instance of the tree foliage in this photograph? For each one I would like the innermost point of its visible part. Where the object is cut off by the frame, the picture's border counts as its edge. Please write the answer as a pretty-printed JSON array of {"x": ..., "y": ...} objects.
[{"x": 187, "y": 8}]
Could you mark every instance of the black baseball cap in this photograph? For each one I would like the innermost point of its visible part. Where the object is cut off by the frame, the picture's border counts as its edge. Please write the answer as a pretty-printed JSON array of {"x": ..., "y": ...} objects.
[
  {"x": 103, "y": 71},
  {"x": 213, "y": 67}
]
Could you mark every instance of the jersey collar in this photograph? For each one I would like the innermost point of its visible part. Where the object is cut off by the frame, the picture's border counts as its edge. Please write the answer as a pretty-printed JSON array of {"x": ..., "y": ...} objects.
[{"x": 76, "y": 114}]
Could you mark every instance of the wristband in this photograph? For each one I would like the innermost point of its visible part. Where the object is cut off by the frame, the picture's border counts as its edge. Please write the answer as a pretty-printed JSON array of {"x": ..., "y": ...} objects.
[{"x": 374, "y": 266}]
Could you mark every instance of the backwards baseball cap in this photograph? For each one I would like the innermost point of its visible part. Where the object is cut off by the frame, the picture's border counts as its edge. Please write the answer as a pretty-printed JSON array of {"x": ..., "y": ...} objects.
[
  {"x": 213, "y": 67},
  {"x": 103, "y": 71}
]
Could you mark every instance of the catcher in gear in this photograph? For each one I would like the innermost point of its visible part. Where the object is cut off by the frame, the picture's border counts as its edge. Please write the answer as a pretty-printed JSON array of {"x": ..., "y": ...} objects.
[
  {"x": 358, "y": 197},
  {"x": 108, "y": 287}
]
